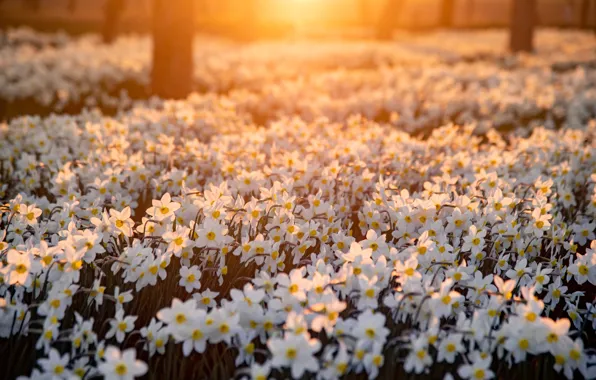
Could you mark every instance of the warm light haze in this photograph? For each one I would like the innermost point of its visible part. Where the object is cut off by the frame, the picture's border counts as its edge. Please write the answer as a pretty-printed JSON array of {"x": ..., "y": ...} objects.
[{"x": 297, "y": 189}]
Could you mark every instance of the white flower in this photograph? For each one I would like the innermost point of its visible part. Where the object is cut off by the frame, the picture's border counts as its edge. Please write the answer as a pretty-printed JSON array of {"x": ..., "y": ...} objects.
[
  {"x": 519, "y": 270},
  {"x": 177, "y": 240},
  {"x": 163, "y": 208},
  {"x": 30, "y": 214},
  {"x": 122, "y": 298},
  {"x": 121, "y": 365},
  {"x": 369, "y": 293},
  {"x": 260, "y": 371},
  {"x": 121, "y": 221},
  {"x": 328, "y": 318},
  {"x": 584, "y": 268},
  {"x": 541, "y": 277},
  {"x": 479, "y": 369},
  {"x": 541, "y": 222},
  {"x": 296, "y": 352},
  {"x": 418, "y": 358},
  {"x": 211, "y": 233},
  {"x": 521, "y": 342},
  {"x": 474, "y": 241},
  {"x": 195, "y": 333},
  {"x": 155, "y": 335},
  {"x": 21, "y": 266},
  {"x": 450, "y": 347},
  {"x": 177, "y": 316},
  {"x": 121, "y": 325},
  {"x": 55, "y": 365},
  {"x": 189, "y": 278},
  {"x": 442, "y": 301},
  {"x": 224, "y": 326}
]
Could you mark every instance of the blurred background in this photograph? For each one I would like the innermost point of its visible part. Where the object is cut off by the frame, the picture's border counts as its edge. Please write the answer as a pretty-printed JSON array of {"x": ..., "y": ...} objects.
[
  {"x": 186, "y": 46},
  {"x": 288, "y": 18}
]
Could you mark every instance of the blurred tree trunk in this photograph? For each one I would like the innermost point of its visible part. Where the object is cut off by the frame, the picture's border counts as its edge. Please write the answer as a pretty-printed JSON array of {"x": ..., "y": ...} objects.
[
  {"x": 112, "y": 12},
  {"x": 447, "y": 11},
  {"x": 389, "y": 18},
  {"x": 72, "y": 6},
  {"x": 33, "y": 5},
  {"x": 173, "y": 30},
  {"x": 470, "y": 12},
  {"x": 521, "y": 25},
  {"x": 584, "y": 14}
]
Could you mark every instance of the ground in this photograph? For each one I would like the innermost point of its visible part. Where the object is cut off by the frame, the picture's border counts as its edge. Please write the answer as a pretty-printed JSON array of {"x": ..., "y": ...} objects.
[{"x": 424, "y": 206}]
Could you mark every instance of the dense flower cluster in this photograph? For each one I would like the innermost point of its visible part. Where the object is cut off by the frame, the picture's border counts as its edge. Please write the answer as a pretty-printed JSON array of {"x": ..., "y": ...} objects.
[
  {"x": 414, "y": 83},
  {"x": 27, "y": 36},
  {"x": 313, "y": 248},
  {"x": 327, "y": 242}
]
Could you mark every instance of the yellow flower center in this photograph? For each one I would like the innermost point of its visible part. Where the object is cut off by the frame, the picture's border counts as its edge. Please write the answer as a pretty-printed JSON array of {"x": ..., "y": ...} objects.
[
  {"x": 121, "y": 369},
  {"x": 291, "y": 353},
  {"x": 180, "y": 318},
  {"x": 197, "y": 334},
  {"x": 479, "y": 374},
  {"x": 21, "y": 268},
  {"x": 446, "y": 299},
  {"x": 77, "y": 265},
  {"x": 377, "y": 360}
]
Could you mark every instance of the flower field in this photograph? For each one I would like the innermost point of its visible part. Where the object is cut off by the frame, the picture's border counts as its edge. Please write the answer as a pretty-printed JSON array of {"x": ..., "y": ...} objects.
[{"x": 315, "y": 210}]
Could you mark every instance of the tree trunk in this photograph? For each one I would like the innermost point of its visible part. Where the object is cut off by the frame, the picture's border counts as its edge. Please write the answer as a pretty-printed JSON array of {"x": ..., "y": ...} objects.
[
  {"x": 388, "y": 19},
  {"x": 173, "y": 30},
  {"x": 33, "y": 5},
  {"x": 470, "y": 12},
  {"x": 584, "y": 14},
  {"x": 447, "y": 11},
  {"x": 112, "y": 12},
  {"x": 72, "y": 6},
  {"x": 521, "y": 25}
]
